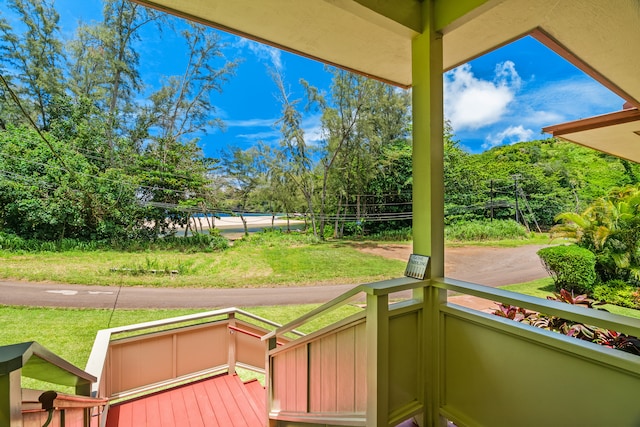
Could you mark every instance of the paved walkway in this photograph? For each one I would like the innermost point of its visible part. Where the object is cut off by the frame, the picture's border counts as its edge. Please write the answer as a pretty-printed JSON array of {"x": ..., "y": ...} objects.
[
  {"x": 59, "y": 295},
  {"x": 107, "y": 297}
]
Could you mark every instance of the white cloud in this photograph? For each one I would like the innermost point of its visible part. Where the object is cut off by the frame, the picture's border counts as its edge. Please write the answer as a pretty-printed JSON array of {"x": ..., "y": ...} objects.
[
  {"x": 251, "y": 123},
  {"x": 472, "y": 103},
  {"x": 265, "y": 53},
  {"x": 312, "y": 127},
  {"x": 540, "y": 118},
  {"x": 510, "y": 135},
  {"x": 571, "y": 99},
  {"x": 260, "y": 136}
]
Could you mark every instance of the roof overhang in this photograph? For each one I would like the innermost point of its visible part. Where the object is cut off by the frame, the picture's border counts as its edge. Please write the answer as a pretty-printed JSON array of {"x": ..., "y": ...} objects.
[
  {"x": 601, "y": 37},
  {"x": 616, "y": 133},
  {"x": 374, "y": 41},
  {"x": 374, "y": 38}
]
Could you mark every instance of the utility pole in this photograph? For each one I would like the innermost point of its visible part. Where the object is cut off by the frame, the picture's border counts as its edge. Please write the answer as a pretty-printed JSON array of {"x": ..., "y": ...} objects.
[
  {"x": 515, "y": 193},
  {"x": 491, "y": 201}
]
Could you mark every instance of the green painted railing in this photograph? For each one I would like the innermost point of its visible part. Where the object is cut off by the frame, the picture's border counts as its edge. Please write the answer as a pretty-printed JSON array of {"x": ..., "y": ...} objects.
[{"x": 429, "y": 357}]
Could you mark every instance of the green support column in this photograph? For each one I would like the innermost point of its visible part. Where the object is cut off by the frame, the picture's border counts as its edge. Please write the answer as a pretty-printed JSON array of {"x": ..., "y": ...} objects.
[
  {"x": 428, "y": 151},
  {"x": 11, "y": 399},
  {"x": 428, "y": 197}
]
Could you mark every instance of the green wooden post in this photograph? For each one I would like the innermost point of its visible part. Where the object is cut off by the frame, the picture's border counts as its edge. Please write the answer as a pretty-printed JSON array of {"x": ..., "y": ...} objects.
[
  {"x": 11, "y": 399},
  {"x": 428, "y": 196},
  {"x": 377, "y": 360},
  {"x": 428, "y": 148}
]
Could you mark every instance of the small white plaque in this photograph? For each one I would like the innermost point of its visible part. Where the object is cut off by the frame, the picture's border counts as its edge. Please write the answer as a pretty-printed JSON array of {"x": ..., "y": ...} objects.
[{"x": 417, "y": 266}]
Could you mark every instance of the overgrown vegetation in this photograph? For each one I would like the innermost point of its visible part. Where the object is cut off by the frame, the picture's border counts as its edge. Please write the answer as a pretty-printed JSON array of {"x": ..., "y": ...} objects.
[
  {"x": 608, "y": 229},
  {"x": 485, "y": 230}
]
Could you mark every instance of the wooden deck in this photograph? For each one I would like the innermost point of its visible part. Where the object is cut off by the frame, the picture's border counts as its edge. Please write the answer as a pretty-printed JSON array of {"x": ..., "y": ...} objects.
[{"x": 219, "y": 401}]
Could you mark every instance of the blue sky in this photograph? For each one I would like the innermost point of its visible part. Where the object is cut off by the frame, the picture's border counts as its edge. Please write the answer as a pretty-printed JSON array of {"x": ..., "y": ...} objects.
[{"x": 503, "y": 97}]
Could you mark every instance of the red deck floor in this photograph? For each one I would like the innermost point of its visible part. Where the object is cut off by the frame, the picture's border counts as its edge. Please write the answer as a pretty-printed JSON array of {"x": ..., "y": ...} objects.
[{"x": 220, "y": 401}]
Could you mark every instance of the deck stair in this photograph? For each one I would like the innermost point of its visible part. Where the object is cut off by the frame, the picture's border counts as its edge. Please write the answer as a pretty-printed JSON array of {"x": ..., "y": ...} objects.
[{"x": 223, "y": 400}]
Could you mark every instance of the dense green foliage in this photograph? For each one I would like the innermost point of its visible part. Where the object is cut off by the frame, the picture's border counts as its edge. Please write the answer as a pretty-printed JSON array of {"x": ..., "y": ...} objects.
[
  {"x": 545, "y": 178},
  {"x": 89, "y": 151},
  {"x": 571, "y": 267},
  {"x": 617, "y": 292},
  {"x": 609, "y": 228},
  {"x": 485, "y": 230}
]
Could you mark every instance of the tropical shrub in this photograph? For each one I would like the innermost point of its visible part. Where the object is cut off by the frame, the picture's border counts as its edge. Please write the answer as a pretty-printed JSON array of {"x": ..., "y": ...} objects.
[
  {"x": 485, "y": 230},
  {"x": 571, "y": 267},
  {"x": 617, "y": 292},
  {"x": 610, "y": 228}
]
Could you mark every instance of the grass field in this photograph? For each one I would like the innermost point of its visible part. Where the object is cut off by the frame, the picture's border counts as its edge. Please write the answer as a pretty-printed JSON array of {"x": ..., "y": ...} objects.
[
  {"x": 267, "y": 262},
  {"x": 264, "y": 259}
]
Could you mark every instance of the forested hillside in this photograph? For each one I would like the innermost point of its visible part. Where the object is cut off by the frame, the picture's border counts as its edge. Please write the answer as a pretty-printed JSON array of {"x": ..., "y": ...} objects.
[
  {"x": 86, "y": 152},
  {"x": 542, "y": 177}
]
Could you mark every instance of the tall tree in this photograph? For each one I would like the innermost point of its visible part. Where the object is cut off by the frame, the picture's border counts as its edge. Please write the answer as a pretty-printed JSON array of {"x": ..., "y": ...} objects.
[
  {"x": 245, "y": 172},
  {"x": 296, "y": 156},
  {"x": 106, "y": 65},
  {"x": 278, "y": 193},
  {"x": 35, "y": 57},
  {"x": 178, "y": 111},
  {"x": 183, "y": 104},
  {"x": 359, "y": 118}
]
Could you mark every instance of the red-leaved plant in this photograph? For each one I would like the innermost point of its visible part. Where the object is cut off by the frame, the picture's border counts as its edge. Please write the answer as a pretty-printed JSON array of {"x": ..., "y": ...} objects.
[{"x": 602, "y": 336}]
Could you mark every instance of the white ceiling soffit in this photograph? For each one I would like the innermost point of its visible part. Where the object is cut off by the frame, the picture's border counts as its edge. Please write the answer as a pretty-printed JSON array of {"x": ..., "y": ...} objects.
[
  {"x": 601, "y": 35},
  {"x": 338, "y": 32},
  {"x": 616, "y": 133}
]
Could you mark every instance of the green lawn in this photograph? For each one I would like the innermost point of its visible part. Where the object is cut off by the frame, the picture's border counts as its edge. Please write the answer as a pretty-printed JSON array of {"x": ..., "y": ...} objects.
[
  {"x": 265, "y": 259},
  {"x": 276, "y": 263}
]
